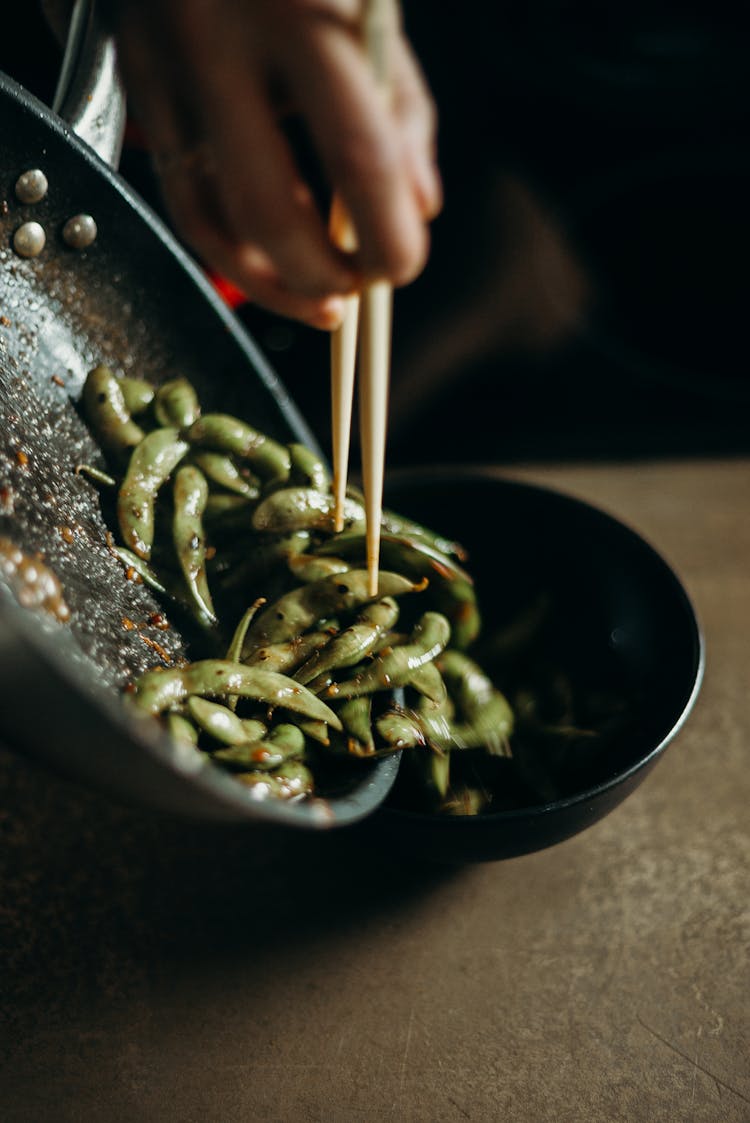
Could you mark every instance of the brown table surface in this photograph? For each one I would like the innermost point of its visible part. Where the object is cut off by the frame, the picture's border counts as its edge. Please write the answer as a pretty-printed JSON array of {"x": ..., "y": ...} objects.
[{"x": 157, "y": 970}]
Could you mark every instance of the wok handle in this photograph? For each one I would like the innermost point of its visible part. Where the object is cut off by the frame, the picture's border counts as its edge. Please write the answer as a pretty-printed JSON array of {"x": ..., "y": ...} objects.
[{"x": 90, "y": 95}]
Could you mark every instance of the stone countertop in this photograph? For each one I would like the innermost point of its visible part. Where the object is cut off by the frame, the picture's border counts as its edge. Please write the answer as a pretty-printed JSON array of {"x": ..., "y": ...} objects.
[{"x": 157, "y": 970}]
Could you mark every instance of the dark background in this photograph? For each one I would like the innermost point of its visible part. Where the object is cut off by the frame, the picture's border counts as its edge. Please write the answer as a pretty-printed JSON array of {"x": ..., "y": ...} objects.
[{"x": 588, "y": 287}]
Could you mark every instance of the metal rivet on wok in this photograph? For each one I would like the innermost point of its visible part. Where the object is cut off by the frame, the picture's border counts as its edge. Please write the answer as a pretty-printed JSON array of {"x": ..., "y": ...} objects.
[
  {"x": 79, "y": 231},
  {"x": 31, "y": 186},
  {"x": 29, "y": 239}
]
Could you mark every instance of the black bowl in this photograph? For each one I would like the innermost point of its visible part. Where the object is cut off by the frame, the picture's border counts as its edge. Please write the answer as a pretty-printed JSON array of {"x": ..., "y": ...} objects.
[{"x": 619, "y": 624}]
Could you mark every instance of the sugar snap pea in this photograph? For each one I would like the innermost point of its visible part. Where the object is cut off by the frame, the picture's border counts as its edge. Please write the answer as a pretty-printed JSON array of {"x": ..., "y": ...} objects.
[
  {"x": 138, "y": 394},
  {"x": 190, "y": 495},
  {"x": 105, "y": 408},
  {"x": 310, "y": 567},
  {"x": 224, "y": 433},
  {"x": 487, "y": 716},
  {"x": 222, "y": 724},
  {"x": 176, "y": 404},
  {"x": 451, "y": 588},
  {"x": 283, "y": 743},
  {"x": 354, "y": 642},
  {"x": 302, "y": 508},
  {"x": 306, "y": 468},
  {"x": 221, "y": 468},
  {"x": 298, "y": 610},
  {"x": 399, "y": 666},
  {"x": 285, "y": 657},
  {"x": 356, "y": 718},
  {"x": 400, "y": 729},
  {"x": 291, "y": 780},
  {"x": 182, "y": 729},
  {"x": 162, "y": 689},
  {"x": 152, "y": 462}
]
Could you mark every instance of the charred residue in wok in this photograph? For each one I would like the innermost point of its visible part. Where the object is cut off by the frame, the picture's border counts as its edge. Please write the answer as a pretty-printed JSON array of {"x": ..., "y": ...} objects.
[{"x": 50, "y": 512}]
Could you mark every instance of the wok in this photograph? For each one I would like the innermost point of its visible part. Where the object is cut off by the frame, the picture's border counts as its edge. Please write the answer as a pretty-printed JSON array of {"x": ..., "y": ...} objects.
[{"x": 136, "y": 301}]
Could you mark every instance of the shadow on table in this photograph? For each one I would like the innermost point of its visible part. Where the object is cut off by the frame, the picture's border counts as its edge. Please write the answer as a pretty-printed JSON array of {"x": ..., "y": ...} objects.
[{"x": 88, "y": 882}]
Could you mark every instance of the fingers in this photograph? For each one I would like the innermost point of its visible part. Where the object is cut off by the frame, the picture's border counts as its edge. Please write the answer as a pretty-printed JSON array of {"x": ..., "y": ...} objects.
[
  {"x": 262, "y": 197},
  {"x": 245, "y": 264},
  {"x": 199, "y": 77},
  {"x": 378, "y": 154},
  {"x": 251, "y": 220}
]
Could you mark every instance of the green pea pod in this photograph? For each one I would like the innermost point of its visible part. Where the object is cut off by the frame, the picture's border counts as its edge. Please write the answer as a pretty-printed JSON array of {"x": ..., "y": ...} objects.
[
  {"x": 307, "y": 469},
  {"x": 286, "y": 657},
  {"x": 291, "y": 780},
  {"x": 407, "y": 528},
  {"x": 356, "y": 718},
  {"x": 451, "y": 588},
  {"x": 400, "y": 729},
  {"x": 138, "y": 394},
  {"x": 487, "y": 715},
  {"x": 355, "y": 642},
  {"x": 302, "y": 508},
  {"x": 298, "y": 610},
  {"x": 435, "y": 720},
  {"x": 190, "y": 495},
  {"x": 399, "y": 666},
  {"x": 221, "y": 469},
  {"x": 224, "y": 433},
  {"x": 428, "y": 682},
  {"x": 181, "y": 728},
  {"x": 310, "y": 567},
  {"x": 282, "y": 743},
  {"x": 107, "y": 412},
  {"x": 164, "y": 688},
  {"x": 222, "y": 724},
  {"x": 316, "y": 731},
  {"x": 176, "y": 404},
  {"x": 151, "y": 464}
]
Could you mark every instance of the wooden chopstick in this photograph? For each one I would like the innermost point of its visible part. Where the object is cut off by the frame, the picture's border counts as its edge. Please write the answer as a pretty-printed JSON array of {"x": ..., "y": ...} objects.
[
  {"x": 374, "y": 376},
  {"x": 343, "y": 363},
  {"x": 375, "y": 343}
]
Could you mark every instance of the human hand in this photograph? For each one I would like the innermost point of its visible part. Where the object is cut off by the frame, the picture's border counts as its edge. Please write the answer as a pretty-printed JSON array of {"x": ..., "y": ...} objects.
[{"x": 207, "y": 79}]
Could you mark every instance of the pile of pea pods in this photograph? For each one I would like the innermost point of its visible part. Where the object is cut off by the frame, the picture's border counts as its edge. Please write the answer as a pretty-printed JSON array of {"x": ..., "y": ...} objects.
[{"x": 227, "y": 524}]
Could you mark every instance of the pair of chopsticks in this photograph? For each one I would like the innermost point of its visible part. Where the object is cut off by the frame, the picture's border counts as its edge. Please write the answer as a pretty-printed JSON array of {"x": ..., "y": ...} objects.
[{"x": 363, "y": 343}]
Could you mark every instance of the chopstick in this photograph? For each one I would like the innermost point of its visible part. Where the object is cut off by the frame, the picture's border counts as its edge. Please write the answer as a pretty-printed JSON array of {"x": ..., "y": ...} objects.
[
  {"x": 343, "y": 363},
  {"x": 374, "y": 344}
]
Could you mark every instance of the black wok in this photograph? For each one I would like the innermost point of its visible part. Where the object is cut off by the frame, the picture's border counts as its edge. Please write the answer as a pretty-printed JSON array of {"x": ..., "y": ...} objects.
[{"x": 136, "y": 301}]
